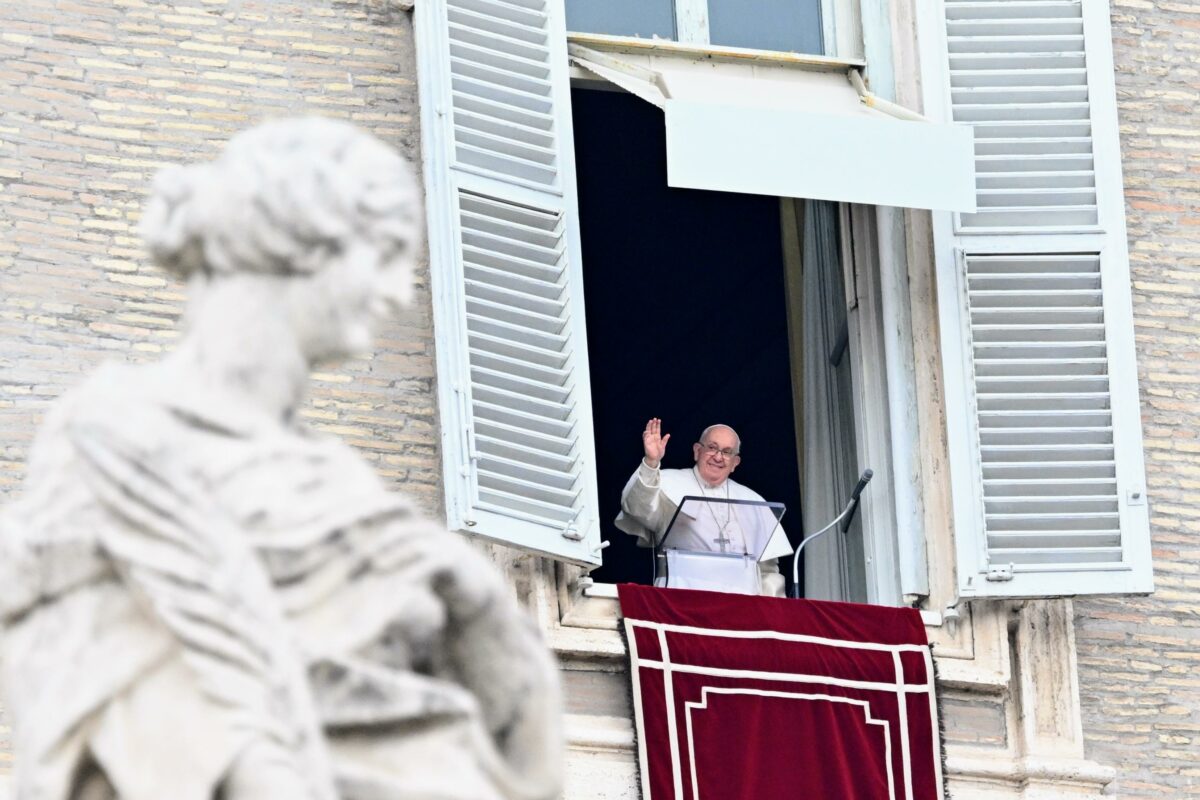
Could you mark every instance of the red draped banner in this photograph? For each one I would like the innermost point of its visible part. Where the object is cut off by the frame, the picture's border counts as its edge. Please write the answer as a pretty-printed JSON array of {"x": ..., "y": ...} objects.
[{"x": 740, "y": 698}]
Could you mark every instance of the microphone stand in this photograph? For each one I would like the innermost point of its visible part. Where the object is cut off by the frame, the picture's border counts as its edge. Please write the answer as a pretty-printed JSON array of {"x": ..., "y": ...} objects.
[{"x": 846, "y": 518}]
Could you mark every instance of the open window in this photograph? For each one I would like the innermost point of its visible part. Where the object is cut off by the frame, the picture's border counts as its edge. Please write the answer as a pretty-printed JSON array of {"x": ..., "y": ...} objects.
[
  {"x": 761, "y": 312},
  {"x": 688, "y": 315},
  {"x": 517, "y": 396}
]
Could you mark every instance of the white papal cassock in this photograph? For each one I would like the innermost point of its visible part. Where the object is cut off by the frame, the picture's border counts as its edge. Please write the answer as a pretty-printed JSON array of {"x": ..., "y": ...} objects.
[{"x": 651, "y": 496}]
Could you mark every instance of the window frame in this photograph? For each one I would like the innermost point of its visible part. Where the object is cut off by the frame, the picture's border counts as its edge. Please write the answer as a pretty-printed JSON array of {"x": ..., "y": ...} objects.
[
  {"x": 876, "y": 374},
  {"x": 878, "y": 506},
  {"x": 861, "y": 273},
  {"x": 877, "y": 369},
  {"x": 841, "y": 27}
]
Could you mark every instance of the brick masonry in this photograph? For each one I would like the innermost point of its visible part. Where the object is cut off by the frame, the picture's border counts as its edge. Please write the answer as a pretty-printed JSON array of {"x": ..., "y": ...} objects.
[
  {"x": 95, "y": 95},
  {"x": 1139, "y": 658}
]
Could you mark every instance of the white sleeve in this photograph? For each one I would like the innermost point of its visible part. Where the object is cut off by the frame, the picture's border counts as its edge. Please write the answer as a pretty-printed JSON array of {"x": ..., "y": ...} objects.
[
  {"x": 773, "y": 583},
  {"x": 643, "y": 500}
]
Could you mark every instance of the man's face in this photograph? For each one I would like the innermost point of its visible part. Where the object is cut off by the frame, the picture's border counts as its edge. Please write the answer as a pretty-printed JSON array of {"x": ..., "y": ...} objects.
[{"x": 715, "y": 457}]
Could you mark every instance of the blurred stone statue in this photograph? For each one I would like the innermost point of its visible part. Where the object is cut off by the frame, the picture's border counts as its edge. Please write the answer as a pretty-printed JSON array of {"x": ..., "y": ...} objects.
[{"x": 199, "y": 598}]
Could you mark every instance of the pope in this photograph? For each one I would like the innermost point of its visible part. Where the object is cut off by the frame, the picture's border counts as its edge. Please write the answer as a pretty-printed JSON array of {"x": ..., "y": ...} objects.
[{"x": 652, "y": 495}]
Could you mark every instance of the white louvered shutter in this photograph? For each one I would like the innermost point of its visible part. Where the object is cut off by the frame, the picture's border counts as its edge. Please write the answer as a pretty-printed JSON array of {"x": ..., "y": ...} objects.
[
  {"x": 1018, "y": 75},
  {"x": 507, "y": 283},
  {"x": 1034, "y": 298}
]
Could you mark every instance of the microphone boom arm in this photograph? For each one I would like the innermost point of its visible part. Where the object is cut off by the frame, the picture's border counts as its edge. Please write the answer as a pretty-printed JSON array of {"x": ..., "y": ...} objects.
[{"x": 847, "y": 514}]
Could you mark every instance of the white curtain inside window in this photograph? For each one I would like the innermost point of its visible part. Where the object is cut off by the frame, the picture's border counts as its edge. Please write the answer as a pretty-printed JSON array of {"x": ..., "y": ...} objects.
[{"x": 834, "y": 568}]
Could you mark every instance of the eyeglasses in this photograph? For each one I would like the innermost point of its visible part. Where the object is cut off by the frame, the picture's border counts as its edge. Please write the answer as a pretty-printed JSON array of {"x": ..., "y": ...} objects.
[{"x": 712, "y": 450}]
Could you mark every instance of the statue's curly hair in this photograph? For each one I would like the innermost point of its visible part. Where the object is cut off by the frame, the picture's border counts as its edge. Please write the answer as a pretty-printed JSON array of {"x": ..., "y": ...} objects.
[{"x": 285, "y": 197}]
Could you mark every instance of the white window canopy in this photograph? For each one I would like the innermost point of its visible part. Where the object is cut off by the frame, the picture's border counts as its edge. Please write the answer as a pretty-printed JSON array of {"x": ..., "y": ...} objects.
[{"x": 811, "y": 132}]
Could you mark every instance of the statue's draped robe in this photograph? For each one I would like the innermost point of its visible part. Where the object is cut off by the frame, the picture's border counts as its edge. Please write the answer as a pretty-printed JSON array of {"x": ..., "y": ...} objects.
[{"x": 188, "y": 586}]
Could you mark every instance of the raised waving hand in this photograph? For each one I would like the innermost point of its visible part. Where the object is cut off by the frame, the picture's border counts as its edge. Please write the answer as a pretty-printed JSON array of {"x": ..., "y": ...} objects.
[{"x": 654, "y": 444}]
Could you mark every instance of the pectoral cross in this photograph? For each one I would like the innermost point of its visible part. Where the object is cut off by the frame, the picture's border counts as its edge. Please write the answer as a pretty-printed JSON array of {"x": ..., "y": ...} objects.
[{"x": 722, "y": 540}]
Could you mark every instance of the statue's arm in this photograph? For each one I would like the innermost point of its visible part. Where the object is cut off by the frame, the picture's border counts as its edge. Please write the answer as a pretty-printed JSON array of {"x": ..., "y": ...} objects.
[{"x": 491, "y": 647}]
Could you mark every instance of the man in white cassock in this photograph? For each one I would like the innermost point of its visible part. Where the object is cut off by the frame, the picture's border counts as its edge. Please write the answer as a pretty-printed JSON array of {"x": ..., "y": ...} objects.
[{"x": 652, "y": 495}]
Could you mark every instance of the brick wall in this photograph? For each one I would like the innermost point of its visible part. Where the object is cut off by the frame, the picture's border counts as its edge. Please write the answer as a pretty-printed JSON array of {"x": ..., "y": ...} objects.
[
  {"x": 1139, "y": 658},
  {"x": 95, "y": 95}
]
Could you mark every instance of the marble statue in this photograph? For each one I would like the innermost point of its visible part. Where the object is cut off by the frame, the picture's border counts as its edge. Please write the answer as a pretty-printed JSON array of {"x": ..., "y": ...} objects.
[{"x": 199, "y": 598}]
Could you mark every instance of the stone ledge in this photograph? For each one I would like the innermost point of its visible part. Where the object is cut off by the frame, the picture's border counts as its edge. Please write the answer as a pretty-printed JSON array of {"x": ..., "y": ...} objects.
[
  {"x": 1031, "y": 778},
  {"x": 596, "y": 733}
]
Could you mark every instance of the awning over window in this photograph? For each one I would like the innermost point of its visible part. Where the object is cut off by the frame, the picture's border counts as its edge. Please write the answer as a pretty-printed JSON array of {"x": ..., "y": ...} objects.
[{"x": 793, "y": 133}]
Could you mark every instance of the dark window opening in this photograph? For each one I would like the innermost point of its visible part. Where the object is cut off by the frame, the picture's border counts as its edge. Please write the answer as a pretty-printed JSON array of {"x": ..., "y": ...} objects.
[{"x": 686, "y": 316}]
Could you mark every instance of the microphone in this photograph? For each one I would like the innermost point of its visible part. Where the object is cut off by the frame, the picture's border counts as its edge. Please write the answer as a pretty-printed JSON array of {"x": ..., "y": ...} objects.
[
  {"x": 863, "y": 480},
  {"x": 846, "y": 518}
]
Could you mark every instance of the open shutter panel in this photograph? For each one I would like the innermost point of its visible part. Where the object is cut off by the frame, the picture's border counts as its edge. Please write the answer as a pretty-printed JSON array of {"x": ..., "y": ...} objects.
[
  {"x": 1043, "y": 409},
  {"x": 504, "y": 249},
  {"x": 1037, "y": 333},
  {"x": 1018, "y": 75}
]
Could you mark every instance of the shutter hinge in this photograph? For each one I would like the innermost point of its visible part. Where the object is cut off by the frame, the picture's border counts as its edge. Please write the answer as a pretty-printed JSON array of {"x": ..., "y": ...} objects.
[
  {"x": 468, "y": 432},
  {"x": 951, "y": 617},
  {"x": 472, "y": 453},
  {"x": 571, "y": 530},
  {"x": 1000, "y": 574}
]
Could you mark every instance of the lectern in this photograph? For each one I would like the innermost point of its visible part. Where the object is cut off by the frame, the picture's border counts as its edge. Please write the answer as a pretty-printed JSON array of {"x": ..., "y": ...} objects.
[{"x": 716, "y": 544}]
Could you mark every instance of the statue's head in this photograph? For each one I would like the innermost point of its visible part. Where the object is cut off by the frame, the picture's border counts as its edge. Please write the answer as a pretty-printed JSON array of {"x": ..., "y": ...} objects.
[{"x": 327, "y": 209}]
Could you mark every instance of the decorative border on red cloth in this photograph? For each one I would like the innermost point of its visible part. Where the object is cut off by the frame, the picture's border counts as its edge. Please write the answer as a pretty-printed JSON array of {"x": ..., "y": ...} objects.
[{"x": 740, "y": 697}]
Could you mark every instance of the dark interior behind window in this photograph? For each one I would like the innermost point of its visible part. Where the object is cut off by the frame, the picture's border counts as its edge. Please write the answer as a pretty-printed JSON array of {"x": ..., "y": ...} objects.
[{"x": 686, "y": 316}]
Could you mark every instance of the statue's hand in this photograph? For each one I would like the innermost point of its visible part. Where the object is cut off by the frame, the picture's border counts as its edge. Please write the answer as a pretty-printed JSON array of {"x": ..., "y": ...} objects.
[
  {"x": 654, "y": 444},
  {"x": 495, "y": 652}
]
